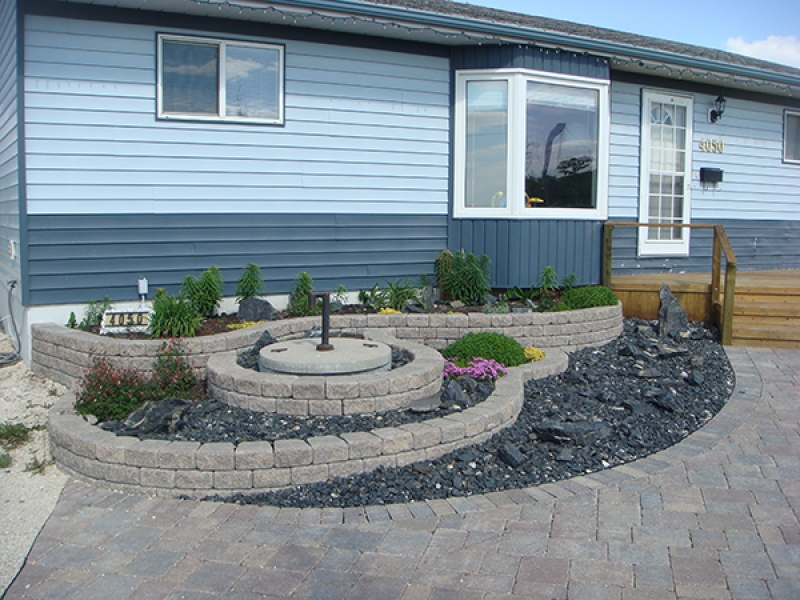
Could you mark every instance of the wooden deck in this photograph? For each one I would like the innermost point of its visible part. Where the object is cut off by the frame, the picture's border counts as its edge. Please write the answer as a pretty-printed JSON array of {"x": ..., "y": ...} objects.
[{"x": 766, "y": 308}]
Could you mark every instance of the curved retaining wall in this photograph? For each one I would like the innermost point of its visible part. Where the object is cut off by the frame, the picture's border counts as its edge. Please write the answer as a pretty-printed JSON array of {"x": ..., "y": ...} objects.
[
  {"x": 194, "y": 469},
  {"x": 63, "y": 354},
  {"x": 362, "y": 393}
]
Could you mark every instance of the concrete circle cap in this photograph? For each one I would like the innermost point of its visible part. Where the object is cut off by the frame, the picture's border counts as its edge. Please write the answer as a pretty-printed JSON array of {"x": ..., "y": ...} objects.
[{"x": 301, "y": 357}]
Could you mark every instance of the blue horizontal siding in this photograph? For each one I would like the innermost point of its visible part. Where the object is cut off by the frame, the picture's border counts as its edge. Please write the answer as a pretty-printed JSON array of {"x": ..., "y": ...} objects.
[
  {"x": 758, "y": 245},
  {"x": 9, "y": 143},
  {"x": 528, "y": 57},
  {"x": 365, "y": 132},
  {"x": 78, "y": 258},
  {"x": 520, "y": 249}
]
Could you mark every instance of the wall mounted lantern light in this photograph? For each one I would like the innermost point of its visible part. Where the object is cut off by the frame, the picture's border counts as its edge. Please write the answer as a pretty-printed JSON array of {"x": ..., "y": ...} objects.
[{"x": 715, "y": 114}]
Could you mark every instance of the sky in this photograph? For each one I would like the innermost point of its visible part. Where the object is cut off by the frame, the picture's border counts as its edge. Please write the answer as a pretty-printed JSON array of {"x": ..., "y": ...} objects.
[{"x": 766, "y": 29}]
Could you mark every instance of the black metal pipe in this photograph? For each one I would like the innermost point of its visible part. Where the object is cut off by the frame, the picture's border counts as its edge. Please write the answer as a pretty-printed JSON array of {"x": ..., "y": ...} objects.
[{"x": 326, "y": 345}]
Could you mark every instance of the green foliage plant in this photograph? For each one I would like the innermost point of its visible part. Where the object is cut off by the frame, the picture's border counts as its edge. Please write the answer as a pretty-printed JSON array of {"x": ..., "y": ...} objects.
[
  {"x": 398, "y": 293},
  {"x": 519, "y": 294},
  {"x": 13, "y": 435},
  {"x": 204, "y": 292},
  {"x": 173, "y": 316},
  {"x": 588, "y": 297},
  {"x": 467, "y": 279},
  {"x": 72, "y": 322},
  {"x": 547, "y": 289},
  {"x": 298, "y": 298},
  {"x": 488, "y": 345},
  {"x": 340, "y": 294},
  {"x": 5, "y": 459},
  {"x": 250, "y": 283},
  {"x": 172, "y": 375},
  {"x": 93, "y": 315},
  {"x": 441, "y": 267},
  {"x": 110, "y": 392},
  {"x": 373, "y": 298}
]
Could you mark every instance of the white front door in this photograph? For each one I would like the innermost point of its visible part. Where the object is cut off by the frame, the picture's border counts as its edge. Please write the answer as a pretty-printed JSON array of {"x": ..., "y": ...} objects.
[{"x": 665, "y": 173}]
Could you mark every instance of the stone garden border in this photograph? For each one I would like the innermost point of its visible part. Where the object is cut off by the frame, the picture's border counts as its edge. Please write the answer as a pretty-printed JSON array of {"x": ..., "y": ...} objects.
[
  {"x": 195, "y": 470},
  {"x": 63, "y": 354},
  {"x": 360, "y": 393}
]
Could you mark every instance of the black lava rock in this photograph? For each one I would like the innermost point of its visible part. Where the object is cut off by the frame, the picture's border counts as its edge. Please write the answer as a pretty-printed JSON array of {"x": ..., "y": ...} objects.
[{"x": 256, "y": 308}]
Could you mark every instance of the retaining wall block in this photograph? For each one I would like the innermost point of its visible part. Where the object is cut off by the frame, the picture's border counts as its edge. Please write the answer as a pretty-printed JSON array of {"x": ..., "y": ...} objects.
[
  {"x": 424, "y": 435},
  {"x": 291, "y": 406},
  {"x": 309, "y": 474},
  {"x": 158, "y": 478},
  {"x": 370, "y": 464},
  {"x": 309, "y": 388},
  {"x": 362, "y": 444},
  {"x": 292, "y": 453},
  {"x": 178, "y": 455},
  {"x": 374, "y": 385},
  {"x": 233, "y": 480},
  {"x": 254, "y": 455},
  {"x": 194, "y": 480},
  {"x": 113, "y": 449},
  {"x": 451, "y": 430},
  {"x": 325, "y": 407},
  {"x": 394, "y": 440},
  {"x": 123, "y": 474},
  {"x": 328, "y": 449},
  {"x": 266, "y": 479},
  {"x": 345, "y": 469},
  {"x": 144, "y": 454},
  {"x": 359, "y": 406},
  {"x": 338, "y": 387},
  {"x": 277, "y": 385},
  {"x": 218, "y": 456}
]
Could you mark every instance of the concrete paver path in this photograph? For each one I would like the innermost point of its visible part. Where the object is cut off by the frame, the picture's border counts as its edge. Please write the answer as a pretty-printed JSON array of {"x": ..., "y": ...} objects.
[{"x": 715, "y": 516}]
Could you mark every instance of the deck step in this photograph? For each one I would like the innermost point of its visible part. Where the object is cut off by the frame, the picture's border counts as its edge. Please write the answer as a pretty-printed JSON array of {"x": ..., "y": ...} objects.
[{"x": 767, "y": 316}]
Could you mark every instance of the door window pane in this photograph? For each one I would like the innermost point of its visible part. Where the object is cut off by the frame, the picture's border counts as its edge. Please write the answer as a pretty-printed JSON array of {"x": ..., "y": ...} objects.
[
  {"x": 190, "y": 78},
  {"x": 486, "y": 144},
  {"x": 251, "y": 79},
  {"x": 561, "y": 146}
]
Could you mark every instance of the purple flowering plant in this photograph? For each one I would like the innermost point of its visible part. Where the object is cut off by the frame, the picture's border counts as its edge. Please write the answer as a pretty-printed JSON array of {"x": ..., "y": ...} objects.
[{"x": 478, "y": 368}]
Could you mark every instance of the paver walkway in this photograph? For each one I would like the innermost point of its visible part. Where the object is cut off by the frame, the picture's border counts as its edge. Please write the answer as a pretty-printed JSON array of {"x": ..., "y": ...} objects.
[{"x": 714, "y": 517}]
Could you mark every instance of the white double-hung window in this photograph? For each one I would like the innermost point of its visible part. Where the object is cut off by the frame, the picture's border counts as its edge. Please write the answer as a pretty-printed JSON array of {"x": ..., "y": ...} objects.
[
  {"x": 219, "y": 80},
  {"x": 530, "y": 145}
]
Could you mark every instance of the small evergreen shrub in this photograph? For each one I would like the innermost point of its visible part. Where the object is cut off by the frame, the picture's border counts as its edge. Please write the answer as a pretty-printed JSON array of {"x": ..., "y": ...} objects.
[
  {"x": 172, "y": 375},
  {"x": 172, "y": 316},
  {"x": 93, "y": 315},
  {"x": 441, "y": 267},
  {"x": 250, "y": 283},
  {"x": 488, "y": 345},
  {"x": 204, "y": 292},
  {"x": 298, "y": 298},
  {"x": 109, "y": 392},
  {"x": 467, "y": 278},
  {"x": 588, "y": 297}
]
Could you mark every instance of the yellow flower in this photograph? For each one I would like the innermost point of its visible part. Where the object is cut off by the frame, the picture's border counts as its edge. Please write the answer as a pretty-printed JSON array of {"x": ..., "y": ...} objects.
[
  {"x": 389, "y": 311},
  {"x": 243, "y": 324},
  {"x": 532, "y": 354}
]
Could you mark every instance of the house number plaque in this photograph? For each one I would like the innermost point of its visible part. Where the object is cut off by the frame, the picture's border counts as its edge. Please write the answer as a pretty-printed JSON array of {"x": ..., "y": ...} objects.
[
  {"x": 125, "y": 321},
  {"x": 715, "y": 146}
]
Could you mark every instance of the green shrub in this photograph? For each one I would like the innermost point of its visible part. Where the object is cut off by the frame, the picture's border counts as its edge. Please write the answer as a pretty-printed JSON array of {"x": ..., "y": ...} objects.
[
  {"x": 109, "y": 392},
  {"x": 172, "y": 375},
  {"x": 488, "y": 345},
  {"x": 5, "y": 459},
  {"x": 13, "y": 435},
  {"x": 250, "y": 283},
  {"x": 298, "y": 298},
  {"x": 442, "y": 267},
  {"x": 588, "y": 297},
  {"x": 93, "y": 315},
  {"x": 374, "y": 298},
  {"x": 204, "y": 292},
  {"x": 467, "y": 278},
  {"x": 173, "y": 316},
  {"x": 398, "y": 293}
]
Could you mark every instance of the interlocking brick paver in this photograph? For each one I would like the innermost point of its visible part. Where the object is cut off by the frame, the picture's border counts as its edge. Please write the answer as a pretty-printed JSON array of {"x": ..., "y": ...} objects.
[{"x": 713, "y": 517}]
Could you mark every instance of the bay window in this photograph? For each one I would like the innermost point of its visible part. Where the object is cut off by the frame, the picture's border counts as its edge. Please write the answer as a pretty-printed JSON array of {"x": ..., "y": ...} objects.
[{"x": 530, "y": 145}]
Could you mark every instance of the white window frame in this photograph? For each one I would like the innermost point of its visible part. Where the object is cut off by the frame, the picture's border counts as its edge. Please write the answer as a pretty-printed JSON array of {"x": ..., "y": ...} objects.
[
  {"x": 515, "y": 184},
  {"x": 221, "y": 81},
  {"x": 786, "y": 115}
]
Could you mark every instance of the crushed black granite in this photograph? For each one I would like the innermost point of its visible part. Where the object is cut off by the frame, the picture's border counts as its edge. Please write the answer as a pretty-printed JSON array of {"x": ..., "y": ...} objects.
[{"x": 614, "y": 404}]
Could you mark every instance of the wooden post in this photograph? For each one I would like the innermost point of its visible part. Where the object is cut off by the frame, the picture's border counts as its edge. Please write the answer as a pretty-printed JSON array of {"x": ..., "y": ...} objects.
[
  {"x": 716, "y": 273},
  {"x": 727, "y": 310},
  {"x": 608, "y": 239}
]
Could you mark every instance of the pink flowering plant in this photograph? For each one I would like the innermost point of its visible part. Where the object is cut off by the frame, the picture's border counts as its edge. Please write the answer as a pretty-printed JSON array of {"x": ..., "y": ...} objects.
[{"x": 478, "y": 368}]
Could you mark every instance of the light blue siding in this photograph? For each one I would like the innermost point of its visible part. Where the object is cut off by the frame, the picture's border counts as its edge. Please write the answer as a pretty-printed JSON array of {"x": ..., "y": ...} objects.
[
  {"x": 757, "y": 185},
  {"x": 365, "y": 132},
  {"x": 9, "y": 144}
]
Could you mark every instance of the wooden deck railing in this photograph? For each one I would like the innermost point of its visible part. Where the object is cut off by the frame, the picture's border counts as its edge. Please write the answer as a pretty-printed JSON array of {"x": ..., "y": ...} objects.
[{"x": 722, "y": 246}]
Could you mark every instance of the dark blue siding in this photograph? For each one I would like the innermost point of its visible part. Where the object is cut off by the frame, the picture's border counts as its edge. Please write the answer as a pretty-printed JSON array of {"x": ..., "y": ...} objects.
[
  {"x": 521, "y": 248},
  {"x": 77, "y": 258},
  {"x": 758, "y": 245}
]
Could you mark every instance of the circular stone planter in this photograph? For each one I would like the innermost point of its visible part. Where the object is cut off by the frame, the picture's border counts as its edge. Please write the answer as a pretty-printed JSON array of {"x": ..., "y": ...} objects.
[
  {"x": 360, "y": 393},
  {"x": 194, "y": 469}
]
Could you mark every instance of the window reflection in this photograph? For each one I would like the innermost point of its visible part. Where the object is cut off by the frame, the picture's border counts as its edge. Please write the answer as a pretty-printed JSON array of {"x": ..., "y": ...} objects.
[
  {"x": 251, "y": 82},
  {"x": 561, "y": 144},
  {"x": 486, "y": 144},
  {"x": 190, "y": 78}
]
